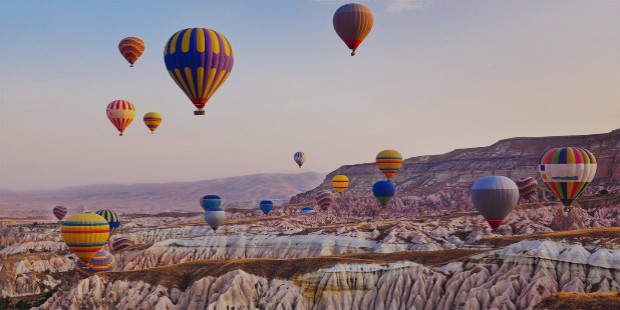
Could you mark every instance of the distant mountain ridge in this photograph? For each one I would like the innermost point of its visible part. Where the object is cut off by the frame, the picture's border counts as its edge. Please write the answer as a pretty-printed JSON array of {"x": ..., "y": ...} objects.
[{"x": 158, "y": 197}]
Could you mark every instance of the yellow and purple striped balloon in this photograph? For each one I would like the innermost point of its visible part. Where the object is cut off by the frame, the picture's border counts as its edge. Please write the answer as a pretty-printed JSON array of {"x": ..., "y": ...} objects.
[
  {"x": 527, "y": 187},
  {"x": 83, "y": 270},
  {"x": 131, "y": 48},
  {"x": 199, "y": 61},
  {"x": 85, "y": 234},
  {"x": 324, "y": 199},
  {"x": 112, "y": 218},
  {"x": 121, "y": 243},
  {"x": 101, "y": 262}
]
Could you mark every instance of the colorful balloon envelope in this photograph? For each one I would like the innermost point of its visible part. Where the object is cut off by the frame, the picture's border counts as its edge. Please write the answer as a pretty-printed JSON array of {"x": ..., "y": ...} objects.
[
  {"x": 353, "y": 23},
  {"x": 340, "y": 183},
  {"x": 131, "y": 48},
  {"x": 102, "y": 261},
  {"x": 85, "y": 234},
  {"x": 306, "y": 210},
  {"x": 266, "y": 206},
  {"x": 300, "y": 158},
  {"x": 82, "y": 269},
  {"x": 199, "y": 61},
  {"x": 215, "y": 216},
  {"x": 494, "y": 197},
  {"x": 152, "y": 120},
  {"x": 324, "y": 199},
  {"x": 389, "y": 162},
  {"x": 527, "y": 187},
  {"x": 112, "y": 218},
  {"x": 567, "y": 172},
  {"x": 59, "y": 212},
  {"x": 384, "y": 191},
  {"x": 210, "y": 201},
  {"x": 121, "y": 113},
  {"x": 121, "y": 244}
]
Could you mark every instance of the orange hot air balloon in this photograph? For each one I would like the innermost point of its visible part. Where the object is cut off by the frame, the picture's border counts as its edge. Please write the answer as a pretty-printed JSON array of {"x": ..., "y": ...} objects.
[
  {"x": 352, "y": 23},
  {"x": 131, "y": 48},
  {"x": 121, "y": 113}
]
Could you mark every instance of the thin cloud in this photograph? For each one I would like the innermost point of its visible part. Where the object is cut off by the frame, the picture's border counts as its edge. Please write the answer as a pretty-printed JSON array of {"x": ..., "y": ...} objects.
[{"x": 395, "y": 6}]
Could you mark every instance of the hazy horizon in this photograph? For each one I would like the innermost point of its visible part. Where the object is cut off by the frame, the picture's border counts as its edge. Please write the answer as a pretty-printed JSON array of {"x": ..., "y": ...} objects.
[{"x": 431, "y": 77}]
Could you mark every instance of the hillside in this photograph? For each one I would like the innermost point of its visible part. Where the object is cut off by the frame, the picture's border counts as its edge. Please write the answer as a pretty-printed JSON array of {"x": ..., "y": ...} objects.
[
  {"x": 159, "y": 197},
  {"x": 444, "y": 181}
]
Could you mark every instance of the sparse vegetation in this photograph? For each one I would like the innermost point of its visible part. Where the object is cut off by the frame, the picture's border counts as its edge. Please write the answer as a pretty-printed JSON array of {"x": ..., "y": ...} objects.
[{"x": 590, "y": 301}]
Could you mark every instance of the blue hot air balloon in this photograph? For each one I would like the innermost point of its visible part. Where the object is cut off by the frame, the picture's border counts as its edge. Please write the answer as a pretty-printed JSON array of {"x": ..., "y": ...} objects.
[
  {"x": 306, "y": 210},
  {"x": 266, "y": 206},
  {"x": 210, "y": 201},
  {"x": 384, "y": 191}
]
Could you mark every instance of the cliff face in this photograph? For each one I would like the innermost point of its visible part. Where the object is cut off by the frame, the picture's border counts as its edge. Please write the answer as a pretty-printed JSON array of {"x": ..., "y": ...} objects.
[
  {"x": 443, "y": 181},
  {"x": 515, "y": 277}
]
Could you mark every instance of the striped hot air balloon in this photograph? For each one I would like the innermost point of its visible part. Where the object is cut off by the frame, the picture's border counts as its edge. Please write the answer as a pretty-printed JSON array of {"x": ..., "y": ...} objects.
[
  {"x": 82, "y": 269},
  {"x": 121, "y": 113},
  {"x": 59, "y": 212},
  {"x": 384, "y": 191},
  {"x": 527, "y": 187},
  {"x": 199, "y": 61},
  {"x": 131, "y": 48},
  {"x": 266, "y": 206},
  {"x": 152, "y": 120},
  {"x": 324, "y": 199},
  {"x": 113, "y": 219},
  {"x": 389, "y": 162},
  {"x": 353, "y": 23},
  {"x": 340, "y": 183},
  {"x": 102, "y": 261},
  {"x": 494, "y": 197},
  {"x": 210, "y": 201},
  {"x": 121, "y": 244},
  {"x": 567, "y": 172},
  {"x": 85, "y": 234},
  {"x": 300, "y": 158}
]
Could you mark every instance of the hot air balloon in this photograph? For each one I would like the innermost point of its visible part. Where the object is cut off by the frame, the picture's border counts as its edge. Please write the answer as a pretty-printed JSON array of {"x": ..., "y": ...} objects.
[
  {"x": 82, "y": 269},
  {"x": 567, "y": 172},
  {"x": 122, "y": 243},
  {"x": 199, "y": 60},
  {"x": 85, "y": 234},
  {"x": 215, "y": 216},
  {"x": 300, "y": 158},
  {"x": 306, "y": 210},
  {"x": 340, "y": 183},
  {"x": 384, "y": 191},
  {"x": 266, "y": 206},
  {"x": 112, "y": 218},
  {"x": 352, "y": 23},
  {"x": 131, "y": 48},
  {"x": 494, "y": 197},
  {"x": 102, "y": 261},
  {"x": 210, "y": 201},
  {"x": 59, "y": 212},
  {"x": 121, "y": 113},
  {"x": 527, "y": 187},
  {"x": 324, "y": 199},
  {"x": 389, "y": 161},
  {"x": 152, "y": 120}
]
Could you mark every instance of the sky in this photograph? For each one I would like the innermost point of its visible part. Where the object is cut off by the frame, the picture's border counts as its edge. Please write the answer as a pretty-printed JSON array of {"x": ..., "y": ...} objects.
[{"x": 431, "y": 77}]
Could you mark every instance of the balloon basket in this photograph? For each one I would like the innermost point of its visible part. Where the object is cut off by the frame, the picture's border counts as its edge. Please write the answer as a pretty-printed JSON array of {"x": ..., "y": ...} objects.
[{"x": 199, "y": 112}]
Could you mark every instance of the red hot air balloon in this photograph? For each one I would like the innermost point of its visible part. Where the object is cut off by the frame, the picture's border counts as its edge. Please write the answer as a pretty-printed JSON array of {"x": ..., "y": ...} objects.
[{"x": 352, "y": 23}]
